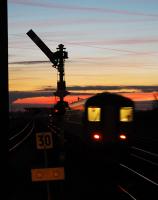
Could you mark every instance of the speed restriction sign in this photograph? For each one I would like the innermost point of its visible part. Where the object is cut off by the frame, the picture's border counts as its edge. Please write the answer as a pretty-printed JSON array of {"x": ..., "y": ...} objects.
[{"x": 44, "y": 140}]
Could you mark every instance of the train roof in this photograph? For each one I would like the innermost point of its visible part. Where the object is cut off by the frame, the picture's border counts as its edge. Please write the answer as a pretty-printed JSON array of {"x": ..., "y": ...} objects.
[
  {"x": 110, "y": 99},
  {"x": 79, "y": 105}
]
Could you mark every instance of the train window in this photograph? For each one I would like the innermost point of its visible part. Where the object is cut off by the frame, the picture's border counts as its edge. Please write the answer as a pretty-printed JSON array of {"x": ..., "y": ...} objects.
[
  {"x": 94, "y": 114},
  {"x": 126, "y": 114}
]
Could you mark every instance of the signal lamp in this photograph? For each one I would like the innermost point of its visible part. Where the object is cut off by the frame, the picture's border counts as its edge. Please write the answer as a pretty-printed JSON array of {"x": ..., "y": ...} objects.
[{"x": 122, "y": 136}]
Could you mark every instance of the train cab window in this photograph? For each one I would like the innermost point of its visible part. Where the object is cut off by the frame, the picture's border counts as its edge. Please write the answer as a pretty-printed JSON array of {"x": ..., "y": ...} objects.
[
  {"x": 94, "y": 114},
  {"x": 126, "y": 114}
]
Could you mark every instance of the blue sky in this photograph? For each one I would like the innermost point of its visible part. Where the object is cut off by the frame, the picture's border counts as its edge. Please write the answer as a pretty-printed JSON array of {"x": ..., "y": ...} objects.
[{"x": 109, "y": 42}]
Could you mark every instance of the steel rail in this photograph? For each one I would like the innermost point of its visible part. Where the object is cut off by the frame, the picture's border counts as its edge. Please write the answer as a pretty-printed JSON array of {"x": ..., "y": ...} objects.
[
  {"x": 17, "y": 134},
  {"x": 147, "y": 179},
  {"x": 126, "y": 192},
  {"x": 22, "y": 140}
]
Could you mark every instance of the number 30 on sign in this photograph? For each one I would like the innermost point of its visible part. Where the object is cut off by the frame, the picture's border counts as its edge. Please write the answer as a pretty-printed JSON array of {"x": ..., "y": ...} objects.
[{"x": 44, "y": 140}]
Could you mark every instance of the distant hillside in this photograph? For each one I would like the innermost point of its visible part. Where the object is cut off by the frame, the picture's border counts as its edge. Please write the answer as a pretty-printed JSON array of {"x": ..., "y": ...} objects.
[
  {"x": 21, "y": 107},
  {"x": 144, "y": 105}
]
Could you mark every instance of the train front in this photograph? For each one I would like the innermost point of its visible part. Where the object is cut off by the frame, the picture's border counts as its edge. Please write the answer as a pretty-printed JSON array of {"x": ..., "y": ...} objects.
[{"x": 108, "y": 122}]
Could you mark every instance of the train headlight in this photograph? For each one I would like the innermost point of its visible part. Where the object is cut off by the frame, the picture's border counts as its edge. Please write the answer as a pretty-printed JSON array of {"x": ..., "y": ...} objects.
[
  {"x": 122, "y": 136},
  {"x": 96, "y": 136}
]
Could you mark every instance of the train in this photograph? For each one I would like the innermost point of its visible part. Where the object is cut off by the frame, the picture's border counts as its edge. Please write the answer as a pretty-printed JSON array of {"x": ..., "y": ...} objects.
[{"x": 102, "y": 120}]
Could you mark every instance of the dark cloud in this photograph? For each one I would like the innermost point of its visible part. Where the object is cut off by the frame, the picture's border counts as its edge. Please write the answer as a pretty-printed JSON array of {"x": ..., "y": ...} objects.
[
  {"x": 143, "y": 88},
  {"x": 84, "y": 88},
  {"x": 98, "y": 87},
  {"x": 29, "y": 62},
  {"x": 14, "y": 95}
]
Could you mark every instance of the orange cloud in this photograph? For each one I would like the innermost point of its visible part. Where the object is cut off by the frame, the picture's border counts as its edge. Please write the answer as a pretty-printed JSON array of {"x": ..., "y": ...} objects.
[
  {"x": 52, "y": 100},
  {"x": 140, "y": 96},
  {"x": 48, "y": 100},
  {"x": 35, "y": 100}
]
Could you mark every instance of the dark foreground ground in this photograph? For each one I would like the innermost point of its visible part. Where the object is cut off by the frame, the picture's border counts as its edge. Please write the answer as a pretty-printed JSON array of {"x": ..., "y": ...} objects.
[{"x": 87, "y": 174}]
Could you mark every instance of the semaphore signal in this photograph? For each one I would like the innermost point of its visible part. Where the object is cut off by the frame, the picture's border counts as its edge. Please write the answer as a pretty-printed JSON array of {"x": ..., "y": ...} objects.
[{"x": 57, "y": 59}]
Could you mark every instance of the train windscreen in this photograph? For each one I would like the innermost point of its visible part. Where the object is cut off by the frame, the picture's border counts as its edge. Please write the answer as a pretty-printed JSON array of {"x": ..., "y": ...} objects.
[
  {"x": 126, "y": 114},
  {"x": 94, "y": 114}
]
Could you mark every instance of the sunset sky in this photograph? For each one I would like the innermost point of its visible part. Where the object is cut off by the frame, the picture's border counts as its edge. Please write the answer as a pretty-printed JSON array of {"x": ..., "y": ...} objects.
[{"x": 110, "y": 43}]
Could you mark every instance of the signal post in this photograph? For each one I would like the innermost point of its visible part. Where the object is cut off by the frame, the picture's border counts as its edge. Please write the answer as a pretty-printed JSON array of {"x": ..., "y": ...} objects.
[{"x": 44, "y": 140}]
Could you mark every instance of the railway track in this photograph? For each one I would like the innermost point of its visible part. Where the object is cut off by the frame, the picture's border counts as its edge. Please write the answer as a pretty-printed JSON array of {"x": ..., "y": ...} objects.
[
  {"x": 139, "y": 174},
  {"x": 20, "y": 137}
]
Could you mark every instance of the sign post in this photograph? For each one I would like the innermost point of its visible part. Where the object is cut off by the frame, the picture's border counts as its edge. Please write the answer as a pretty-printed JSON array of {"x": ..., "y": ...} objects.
[{"x": 44, "y": 141}]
